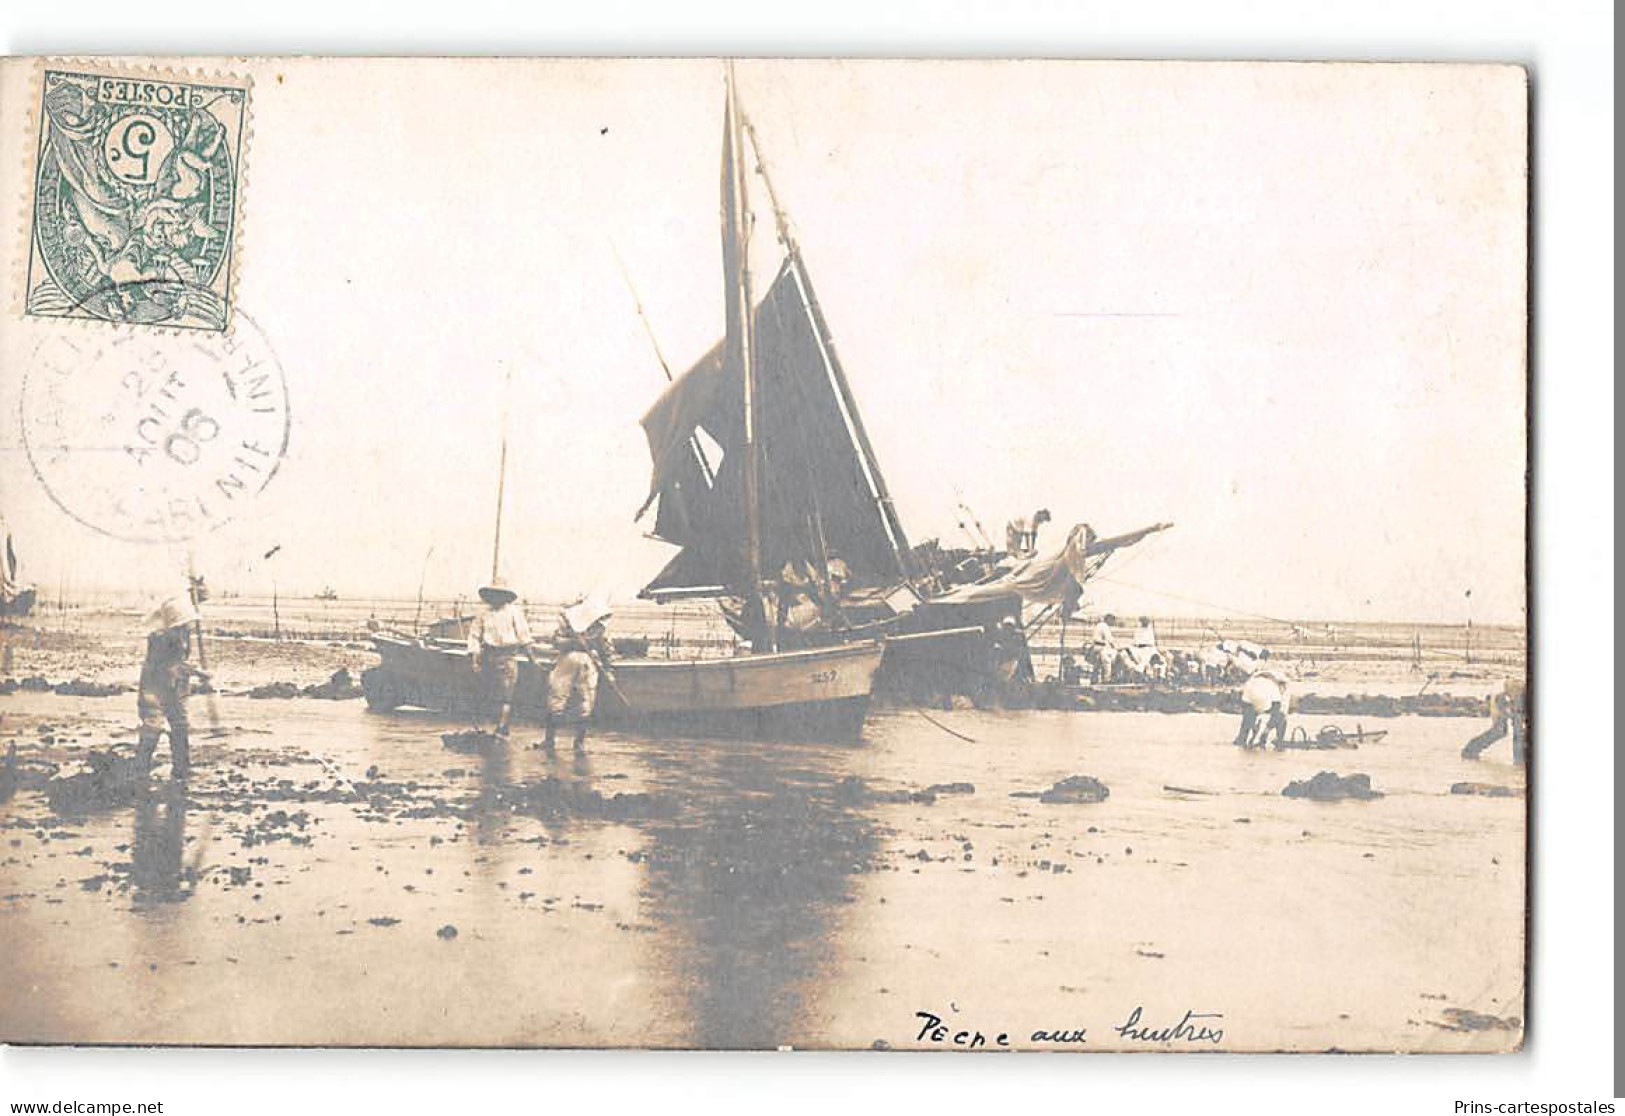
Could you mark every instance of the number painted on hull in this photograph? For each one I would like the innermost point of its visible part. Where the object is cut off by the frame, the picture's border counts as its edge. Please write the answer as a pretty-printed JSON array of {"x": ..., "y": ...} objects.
[{"x": 823, "y": 677}]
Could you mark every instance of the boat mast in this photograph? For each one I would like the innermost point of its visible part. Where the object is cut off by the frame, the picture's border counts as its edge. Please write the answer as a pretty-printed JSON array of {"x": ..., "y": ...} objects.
[
  {"x": 502, "y": 472},
  {"x": 878, "y": 491},
  {"x": 741, "y": 334}
]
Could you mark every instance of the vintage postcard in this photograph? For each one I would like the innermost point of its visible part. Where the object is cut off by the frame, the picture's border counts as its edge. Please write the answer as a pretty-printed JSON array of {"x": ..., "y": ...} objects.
[{"x": 953, "y": 556}]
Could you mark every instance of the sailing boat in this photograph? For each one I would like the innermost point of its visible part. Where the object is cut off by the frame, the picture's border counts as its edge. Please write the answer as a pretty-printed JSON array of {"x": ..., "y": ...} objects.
[
  {"x": 730, "y": 523},
  {"x": 795, "y": 530},
  {"x": 16, "y": 599}
]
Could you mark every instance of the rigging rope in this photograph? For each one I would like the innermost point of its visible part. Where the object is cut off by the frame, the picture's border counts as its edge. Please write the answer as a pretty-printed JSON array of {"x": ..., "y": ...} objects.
[{"x": 1225, "y": 609}]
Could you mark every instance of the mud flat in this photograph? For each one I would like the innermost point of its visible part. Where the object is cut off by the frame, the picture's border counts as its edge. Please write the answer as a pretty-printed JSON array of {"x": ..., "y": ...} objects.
[{"x": 732, "y": 894}]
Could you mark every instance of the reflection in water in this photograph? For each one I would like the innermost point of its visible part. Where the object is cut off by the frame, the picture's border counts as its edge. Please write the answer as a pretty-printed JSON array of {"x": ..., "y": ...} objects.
[
  {"x": 490, "y": 815},
  {"x": 749, "y": 881},
  {"x": 158, "y": 872}
]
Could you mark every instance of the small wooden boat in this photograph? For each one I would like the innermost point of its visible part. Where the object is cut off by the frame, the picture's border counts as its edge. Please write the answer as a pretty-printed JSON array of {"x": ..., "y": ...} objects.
[
  {"x": 16, "y": 599},
  {"x": 820, "y": 694}
]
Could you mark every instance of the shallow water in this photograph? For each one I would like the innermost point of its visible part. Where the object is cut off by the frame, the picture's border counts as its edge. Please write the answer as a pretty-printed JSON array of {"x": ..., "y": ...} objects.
[{"x": 305, "y": 888}]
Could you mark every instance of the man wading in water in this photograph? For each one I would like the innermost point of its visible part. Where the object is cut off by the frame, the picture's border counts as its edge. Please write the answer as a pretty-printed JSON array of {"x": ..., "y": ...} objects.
[
  {"x": 572, "y": 686},
  {"x": 1508, "y": 714},
  {"x": 495, "y": 640},
  {"x": 1263, "y": 696},
  {"x": 165, "y": 682}
]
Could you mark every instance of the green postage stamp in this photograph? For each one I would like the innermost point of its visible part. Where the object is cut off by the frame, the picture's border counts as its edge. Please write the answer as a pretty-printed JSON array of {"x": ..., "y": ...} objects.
[{"x": 136, "y": 198}]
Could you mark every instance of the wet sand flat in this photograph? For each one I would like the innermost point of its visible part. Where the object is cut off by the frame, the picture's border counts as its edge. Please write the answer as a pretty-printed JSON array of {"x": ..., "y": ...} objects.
[{"x": 330, "y": 876}]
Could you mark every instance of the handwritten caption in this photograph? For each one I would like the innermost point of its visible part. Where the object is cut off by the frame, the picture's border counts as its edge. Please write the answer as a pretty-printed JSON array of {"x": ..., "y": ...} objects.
[{"x": 1194, "y": 1028}]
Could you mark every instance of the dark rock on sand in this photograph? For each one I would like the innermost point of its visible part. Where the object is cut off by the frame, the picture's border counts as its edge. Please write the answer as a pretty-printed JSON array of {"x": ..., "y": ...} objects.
[
  {"x": 446, "y": 932},
  {"x": 555, "y": 798},
  {"x": 471, "y": 741},
  {"x": 1386, "y": 705},
  {"x": 1226, "y": 699},
  {"x": 855, "y": 791},
  {"x": 81, "y": 688},
  {"x": 1487, "y": 790},
  {"x": 1074, "y": 790},
  {"x": 111, "y": 781},
  {"x": 342, "y": 686},
  {"x": 1328, "y": 786}
]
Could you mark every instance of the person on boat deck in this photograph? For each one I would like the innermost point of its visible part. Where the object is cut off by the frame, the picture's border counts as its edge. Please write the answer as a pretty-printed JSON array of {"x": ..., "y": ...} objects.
[
  {"x": 1012, "y": 657},
  {"x": 1510, "y": 714},
  {"x": 496, "y": 639},
  {"x": 584, "y": 656},
  {"x": 165, "y": 682},
  {"x": 795, "y": 607},
  {"x": 840, "y": 574},
  {"x": 1021, "y": 534},
  {"x": 1263, "y": 695}
]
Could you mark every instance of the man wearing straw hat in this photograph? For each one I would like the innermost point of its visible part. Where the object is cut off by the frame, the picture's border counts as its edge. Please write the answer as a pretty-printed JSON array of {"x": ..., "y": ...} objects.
[
  {"x": 572, "y": 685},
  {"x": 165, "y": 681},
  {"x": 495, "y": 641}
]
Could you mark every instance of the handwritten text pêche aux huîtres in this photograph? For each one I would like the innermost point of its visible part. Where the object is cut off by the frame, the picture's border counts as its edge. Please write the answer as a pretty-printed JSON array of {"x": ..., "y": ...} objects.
[{"x": 1201, "y": 1029}]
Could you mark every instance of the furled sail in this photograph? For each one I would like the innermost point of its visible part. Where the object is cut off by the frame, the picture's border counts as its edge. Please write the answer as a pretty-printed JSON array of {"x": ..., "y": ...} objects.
[
  {"x": 818, "y": 498},
  {"x": 1053, "y": 579}
]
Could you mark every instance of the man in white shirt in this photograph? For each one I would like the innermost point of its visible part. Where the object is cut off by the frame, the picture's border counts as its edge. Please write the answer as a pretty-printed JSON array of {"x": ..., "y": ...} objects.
[
  {"x": 1103, "y": 648},
  {"x": 584, "y": 654},
  {"x": 1142, "y": 652},
  {"x": 496, "y": 639},
  {"x": 1145, "y": 635},
  {"x": 1263, "y": 695}
]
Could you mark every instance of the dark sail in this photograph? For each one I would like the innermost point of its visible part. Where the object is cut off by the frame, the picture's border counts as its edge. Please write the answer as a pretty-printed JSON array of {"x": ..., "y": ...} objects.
[{"x": 818, "y": 497}]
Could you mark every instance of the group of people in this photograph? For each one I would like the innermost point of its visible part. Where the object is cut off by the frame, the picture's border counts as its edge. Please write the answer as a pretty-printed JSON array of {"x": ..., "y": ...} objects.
[
  {"x": 500, "y": 636},
  {"x": 1110, "y": 661},
  {"x": 497, "y": 639},
  {"x": 1264, "y": 685}
]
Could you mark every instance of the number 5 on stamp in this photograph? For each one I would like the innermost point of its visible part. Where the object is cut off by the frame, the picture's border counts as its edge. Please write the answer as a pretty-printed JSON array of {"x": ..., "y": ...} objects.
[{"x": 135, "y": 202}]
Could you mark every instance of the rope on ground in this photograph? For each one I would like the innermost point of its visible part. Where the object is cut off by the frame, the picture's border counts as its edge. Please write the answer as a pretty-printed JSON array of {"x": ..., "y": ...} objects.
[{"x": 945, "y": 728}]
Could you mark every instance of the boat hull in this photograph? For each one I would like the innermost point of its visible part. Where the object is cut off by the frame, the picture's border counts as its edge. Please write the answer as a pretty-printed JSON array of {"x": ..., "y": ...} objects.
[
  {"x": 816, "y": 694},
  {"x": 928, "y": 666}
]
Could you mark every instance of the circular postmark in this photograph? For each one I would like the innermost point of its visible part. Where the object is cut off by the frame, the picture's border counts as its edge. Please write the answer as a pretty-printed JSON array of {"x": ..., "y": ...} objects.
[{"x": 151, "y": 437}]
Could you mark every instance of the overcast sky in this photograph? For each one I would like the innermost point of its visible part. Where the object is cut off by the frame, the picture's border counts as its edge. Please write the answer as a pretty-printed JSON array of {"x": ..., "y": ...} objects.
[{"x": 1281, "y": 306}]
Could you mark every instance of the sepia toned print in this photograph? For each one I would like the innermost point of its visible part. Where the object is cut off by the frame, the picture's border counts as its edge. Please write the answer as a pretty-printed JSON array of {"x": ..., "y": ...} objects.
[{"x": 871, "y": 555}]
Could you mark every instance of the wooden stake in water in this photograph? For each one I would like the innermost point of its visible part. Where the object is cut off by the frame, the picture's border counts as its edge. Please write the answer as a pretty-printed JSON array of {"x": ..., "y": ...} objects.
[
  {"x": 195, "y": 591},
  {"x": 502, "y": 472}
]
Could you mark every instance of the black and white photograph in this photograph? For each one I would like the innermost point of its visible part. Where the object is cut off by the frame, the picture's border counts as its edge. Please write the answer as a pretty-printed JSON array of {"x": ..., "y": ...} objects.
[{"x": 728, "y": 553}]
